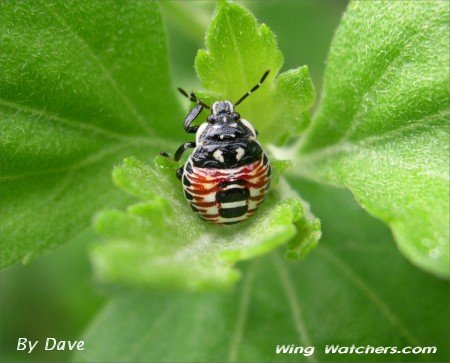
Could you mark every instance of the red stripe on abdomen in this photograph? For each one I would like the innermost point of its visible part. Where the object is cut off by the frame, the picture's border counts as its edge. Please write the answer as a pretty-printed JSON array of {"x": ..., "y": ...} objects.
[{"x": 227, "y": 196}]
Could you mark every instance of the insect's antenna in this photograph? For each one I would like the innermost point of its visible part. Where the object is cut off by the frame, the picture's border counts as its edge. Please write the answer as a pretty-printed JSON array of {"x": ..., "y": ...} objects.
[
  {"x": 192, "y": 97},
  {"x": 255, "y": 87}
]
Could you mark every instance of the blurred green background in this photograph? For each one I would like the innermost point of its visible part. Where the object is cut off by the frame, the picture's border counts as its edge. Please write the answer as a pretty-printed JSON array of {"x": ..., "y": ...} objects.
[
  {"x": 56, "y": 295},
  {"x": 304, "y": 29}
]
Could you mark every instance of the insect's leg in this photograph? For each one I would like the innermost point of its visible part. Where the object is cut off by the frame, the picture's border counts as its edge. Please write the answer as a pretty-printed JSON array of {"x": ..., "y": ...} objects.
[
  {"x": 177, "y": 156},
  {"x": 182, "y": 149},
  {"x": 192, "y": 115},
  {"x": 166, "y": 155},
  {"x": 179, "y": 151},
  {"x": 180, "y": 172},
  {"x": 254, "y": 88}
]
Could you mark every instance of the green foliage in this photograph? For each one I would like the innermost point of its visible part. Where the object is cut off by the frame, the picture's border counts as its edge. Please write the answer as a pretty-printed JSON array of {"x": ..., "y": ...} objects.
[
  {"x": 85, "y": 85},
  {"x": 382, "y": 126},
  {"x": 354, "y": 288},
  {"x": 238, "y": 53},
  {"x": 77, "y": 96},
  {"x": 53, "y": 295},
  {"x": 195, "y": 255},
  {"x": 161, "y": 243}
]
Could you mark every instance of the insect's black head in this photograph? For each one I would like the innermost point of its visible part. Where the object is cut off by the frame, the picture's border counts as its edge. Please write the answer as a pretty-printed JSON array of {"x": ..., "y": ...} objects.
[
  {"x": 223, "y": 112},
  {"x": 219, "y": 107},
  {"x": 224, "y": 126}
]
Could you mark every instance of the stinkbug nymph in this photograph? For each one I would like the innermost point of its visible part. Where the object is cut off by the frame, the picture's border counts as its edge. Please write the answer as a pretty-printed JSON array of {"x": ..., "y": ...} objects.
[{"x": 227, "y": 176}]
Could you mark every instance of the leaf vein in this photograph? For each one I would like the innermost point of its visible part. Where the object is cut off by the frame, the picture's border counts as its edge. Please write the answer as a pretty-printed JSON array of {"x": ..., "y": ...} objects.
[
  {"x": 108, "y": 75},
  {"x": 353, "y": 123},
  {"x": 63, "y": 184},
  {"x": 349, "y": 147},
  {"x": 362, "y": 285},
  {"x": 59, "y": 119},
  {"x": 294, "y": 304},
  {"x": 238, "y": 333},
  {"x": 144, "y": 339},
  {"x": 89, "y": 159},
  {"x": 238, "y": 54}
]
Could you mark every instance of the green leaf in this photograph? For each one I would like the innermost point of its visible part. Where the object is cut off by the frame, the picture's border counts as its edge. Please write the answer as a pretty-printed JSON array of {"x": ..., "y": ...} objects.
[
  {"x": 138, "y": 250},
  {"x": 82, "y": 86},
  {"x": 31, "y": 295},
  {"x": 354, "y": 288},
  {"x": 382, "y": 126},
  {"x": 238, "y": 53}
]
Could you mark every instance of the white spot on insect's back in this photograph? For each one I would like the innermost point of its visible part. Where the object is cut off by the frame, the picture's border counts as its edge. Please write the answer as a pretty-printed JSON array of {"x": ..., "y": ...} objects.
[
  {"x": 240, "y": 152},
  {"x": 199, "y": 132},
  {"x": 224, "y": 119},
  {"x": 218, "y": 155},
  {"x": 214, "y": 108},
  {"x": 249, "y": 126}
]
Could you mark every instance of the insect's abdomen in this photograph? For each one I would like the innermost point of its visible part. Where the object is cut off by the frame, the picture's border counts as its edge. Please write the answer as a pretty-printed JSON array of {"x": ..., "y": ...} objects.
[{"x": 226, "y": 196}]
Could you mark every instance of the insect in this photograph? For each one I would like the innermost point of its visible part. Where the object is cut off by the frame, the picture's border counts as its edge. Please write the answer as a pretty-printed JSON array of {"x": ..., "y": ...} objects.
[{"x": 227, "y": 176}]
